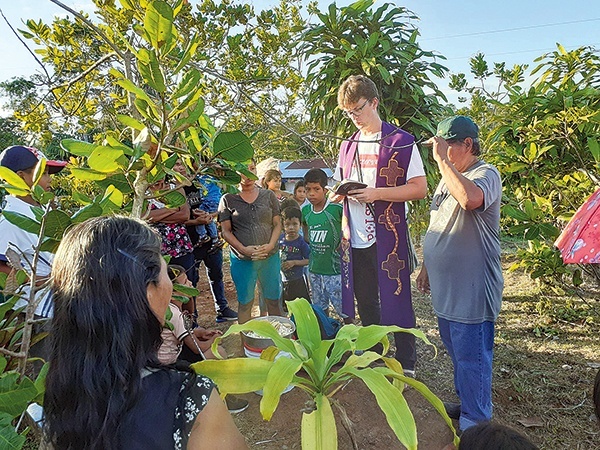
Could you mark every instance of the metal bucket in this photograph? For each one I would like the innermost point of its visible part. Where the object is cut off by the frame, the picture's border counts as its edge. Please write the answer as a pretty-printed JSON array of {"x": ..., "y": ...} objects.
[{"x": 257, "y": 344}]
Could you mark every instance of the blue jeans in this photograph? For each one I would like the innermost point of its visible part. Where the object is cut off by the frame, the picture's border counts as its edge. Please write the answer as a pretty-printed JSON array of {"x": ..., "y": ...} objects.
[{"x": 471, "y": 348}]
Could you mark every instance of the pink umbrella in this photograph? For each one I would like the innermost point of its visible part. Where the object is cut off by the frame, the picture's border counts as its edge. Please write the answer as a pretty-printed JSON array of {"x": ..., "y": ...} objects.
[{"x": 579, "y": 243}]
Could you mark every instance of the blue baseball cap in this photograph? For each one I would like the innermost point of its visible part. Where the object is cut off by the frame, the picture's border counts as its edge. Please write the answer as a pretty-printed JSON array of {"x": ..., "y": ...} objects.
[{"x": 19, "y": 157}]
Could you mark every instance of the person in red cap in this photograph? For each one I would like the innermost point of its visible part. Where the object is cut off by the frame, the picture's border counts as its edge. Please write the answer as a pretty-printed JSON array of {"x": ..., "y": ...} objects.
[{"x": 23, "y": 160}]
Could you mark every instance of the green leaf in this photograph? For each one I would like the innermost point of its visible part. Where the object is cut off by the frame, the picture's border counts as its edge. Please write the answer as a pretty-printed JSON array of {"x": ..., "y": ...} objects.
[
  {"x": 112, "y": 199},
  {"x": 40, "y": 168},
  {"x": 87, "y": 212},
  {"x": 57, "y": 222},
  {"x": 515, "y": 213},
  {"x": 13, "y": 179},
  {"x": 40, "y": 384},
  {"x": 104, "y": 159},
  {"x": 421, "y": 388},
  {"x": 49, "y": 245},
  {"x": 233, "y": 146},
  {"x": 77, "y": 148},
  {"x": 158, "y": 23},
  {"x": 84, "y": 174},
  {"x": 185, "y": 290},
  {"x": 15, "y": 395},
  {"x": 318, "y": 428},
  {"x": 150, "y": 71},
  {"x": 23, "y": 222},
  {"x": 280, "y": 376},
  {"x": 190, "y": 81},
  {"x": 9, "y": 438},
  {"x": 307, "y": 325},
  {"x": 594, "y": 148},
  {"x": 188, "y": 53},
  {"x": 393, "y": 404},
  {"x": 236, "y": 375},
  {"x": 140, "y": 94},
  {"x": 192, "y": 116},
  {"x": 174, "y": 199},
  {"x": 130, "y": 122}
]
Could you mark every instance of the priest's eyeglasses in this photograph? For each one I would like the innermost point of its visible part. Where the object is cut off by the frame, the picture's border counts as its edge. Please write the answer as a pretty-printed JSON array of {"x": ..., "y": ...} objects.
[{"x": 356, "y": 111}]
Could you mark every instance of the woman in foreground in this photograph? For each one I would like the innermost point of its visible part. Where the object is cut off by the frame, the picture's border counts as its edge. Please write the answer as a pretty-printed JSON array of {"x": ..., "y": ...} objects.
[{"x": 105, "y": 388}]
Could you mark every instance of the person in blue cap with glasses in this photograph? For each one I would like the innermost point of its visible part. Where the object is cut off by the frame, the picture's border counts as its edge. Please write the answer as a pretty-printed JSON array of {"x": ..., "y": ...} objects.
[{"x": 466, "y": 297}]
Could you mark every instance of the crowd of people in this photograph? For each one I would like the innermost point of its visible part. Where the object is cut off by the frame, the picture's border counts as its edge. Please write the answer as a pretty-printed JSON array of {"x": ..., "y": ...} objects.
[{"x": 344, "y": 253}]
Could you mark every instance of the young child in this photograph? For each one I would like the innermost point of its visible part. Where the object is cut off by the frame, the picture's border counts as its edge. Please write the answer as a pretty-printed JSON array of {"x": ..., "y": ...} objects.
[
  {"x": 272, "y": 181},
  {"x": 197, "y": 340},
  {"x": 211, "y": 194},
  {"x": 294, "y": 256},
  {"x": 300, "y": 194},
  {"x": 322, "y": 223}
]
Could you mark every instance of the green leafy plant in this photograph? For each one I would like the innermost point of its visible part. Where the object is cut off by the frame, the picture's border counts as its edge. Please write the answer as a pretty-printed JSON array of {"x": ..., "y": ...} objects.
[
  {"x": 16, "y": 393},
  {"x": 318, "y": 359}
]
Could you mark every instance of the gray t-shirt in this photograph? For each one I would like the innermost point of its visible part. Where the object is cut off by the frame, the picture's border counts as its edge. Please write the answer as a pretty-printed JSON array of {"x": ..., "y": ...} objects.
[
  {"x": 251, "y": 223},
  {"x": 461, "y": 251}
]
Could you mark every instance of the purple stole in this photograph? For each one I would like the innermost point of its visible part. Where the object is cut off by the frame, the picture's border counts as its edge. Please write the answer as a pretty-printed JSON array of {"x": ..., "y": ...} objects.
[{"x": 390, "y": 233}]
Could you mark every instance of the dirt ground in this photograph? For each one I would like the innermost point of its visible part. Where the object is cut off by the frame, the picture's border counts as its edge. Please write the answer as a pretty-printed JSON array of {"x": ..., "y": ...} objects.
[{"x": 544, "y": 369}]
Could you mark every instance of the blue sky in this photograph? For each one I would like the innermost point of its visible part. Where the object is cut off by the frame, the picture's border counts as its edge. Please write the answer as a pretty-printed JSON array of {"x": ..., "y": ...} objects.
[{"x": 443, "y": 26}]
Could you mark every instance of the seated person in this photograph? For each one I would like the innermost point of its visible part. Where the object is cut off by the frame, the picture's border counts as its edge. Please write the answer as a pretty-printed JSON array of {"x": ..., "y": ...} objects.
[
  {"x": 198, "y": 340},
  {"x": 105, "y": 387}
]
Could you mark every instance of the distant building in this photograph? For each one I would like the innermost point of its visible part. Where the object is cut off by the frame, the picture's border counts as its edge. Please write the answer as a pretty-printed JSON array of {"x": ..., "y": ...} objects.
[{"x": 292, "y": 171}]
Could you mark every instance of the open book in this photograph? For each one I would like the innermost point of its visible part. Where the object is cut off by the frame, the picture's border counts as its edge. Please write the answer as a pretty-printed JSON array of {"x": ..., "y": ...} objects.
[{"x": 345, "y": 186}]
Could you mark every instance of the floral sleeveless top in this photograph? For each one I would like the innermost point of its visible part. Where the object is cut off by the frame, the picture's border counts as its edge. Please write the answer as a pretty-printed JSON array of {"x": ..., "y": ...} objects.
[{"x": 175, "y": 238}]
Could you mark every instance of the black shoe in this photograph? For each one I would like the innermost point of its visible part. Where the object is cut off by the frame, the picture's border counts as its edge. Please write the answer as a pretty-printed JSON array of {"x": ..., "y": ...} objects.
[
  {"x": 452, "y": 409},
  {"x": 226, "y": 314}
]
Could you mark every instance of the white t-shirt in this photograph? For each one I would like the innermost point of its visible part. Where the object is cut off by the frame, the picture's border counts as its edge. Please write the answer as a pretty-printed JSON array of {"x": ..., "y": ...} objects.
[
  {"x": 362, "y": 223},
  {"x": 24, "y": 242}
]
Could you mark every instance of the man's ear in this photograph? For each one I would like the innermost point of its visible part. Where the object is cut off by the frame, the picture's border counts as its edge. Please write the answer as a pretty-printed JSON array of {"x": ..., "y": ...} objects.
[{"x": 469, "y": 144}]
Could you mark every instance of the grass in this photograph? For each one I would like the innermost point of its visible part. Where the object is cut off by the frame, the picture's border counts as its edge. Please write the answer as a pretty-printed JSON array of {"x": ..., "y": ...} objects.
[{"x": 547, "y": 353}]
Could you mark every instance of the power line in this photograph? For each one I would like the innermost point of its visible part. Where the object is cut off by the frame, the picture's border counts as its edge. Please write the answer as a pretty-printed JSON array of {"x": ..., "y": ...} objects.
[
  {"x": 530, "y": 27},
  {"x": 571, "y": 47}
]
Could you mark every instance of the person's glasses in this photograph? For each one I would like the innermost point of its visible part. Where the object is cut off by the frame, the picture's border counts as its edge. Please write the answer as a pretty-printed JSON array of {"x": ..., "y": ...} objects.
[{"x": 356, "y": 111}]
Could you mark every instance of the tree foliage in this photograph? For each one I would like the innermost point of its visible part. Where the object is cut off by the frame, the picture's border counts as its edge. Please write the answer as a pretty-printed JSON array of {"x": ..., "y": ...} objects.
[
  {"x": 544, "y": 140},
  {"x": 382, "y": 44}
]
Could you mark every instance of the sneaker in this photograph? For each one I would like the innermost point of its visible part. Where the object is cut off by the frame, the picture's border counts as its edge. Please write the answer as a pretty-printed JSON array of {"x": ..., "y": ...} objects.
[
  {"x": 452, "y": 409},
  {"x": 226, "y": 314},
  {"x": 409, "y": 373},
  {"x": 235, "y": 404}
]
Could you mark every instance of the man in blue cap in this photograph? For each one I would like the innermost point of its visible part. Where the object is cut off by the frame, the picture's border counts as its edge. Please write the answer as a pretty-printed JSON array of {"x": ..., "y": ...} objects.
[
  {"x": 461, "y": 264},
  {"x": 23, "y": 160}
]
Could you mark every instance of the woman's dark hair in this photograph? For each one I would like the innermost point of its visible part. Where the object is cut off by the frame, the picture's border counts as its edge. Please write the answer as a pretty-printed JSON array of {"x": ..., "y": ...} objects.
[
  {"x": 104, "y": 331},
  {"x": 493, "y": 436},
  {"x": 299, "y": 184},
  {"x": 270, "y": 174},
  {"x": 316, "y": 176}
]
